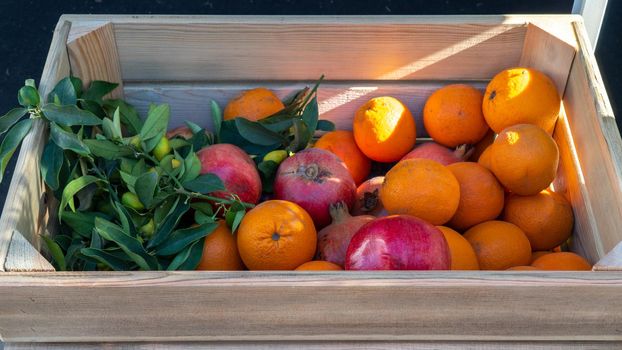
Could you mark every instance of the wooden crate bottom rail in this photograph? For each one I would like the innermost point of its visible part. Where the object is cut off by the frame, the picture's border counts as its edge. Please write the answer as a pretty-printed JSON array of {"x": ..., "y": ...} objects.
[{"x": 249, "y": 306}]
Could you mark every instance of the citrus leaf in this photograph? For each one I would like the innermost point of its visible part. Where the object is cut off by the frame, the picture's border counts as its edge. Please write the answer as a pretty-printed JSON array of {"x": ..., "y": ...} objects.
[
  {"x": 128, "y": 113},
  {"x": 125, "y": 218},
  {"x": 169, "y": 223},
  {"x": 12, "y": 117},
  {"x": 51, "y": 163},
  {"x": 229, "y": 134},
  {"x": 189, "y": 258},
  {"x": 81, "y": 222},
  {"x": 164, "y": 208},
  {"x": 310, "y": 115},
  {"x": 129, "y": 180},
  {"x": 130, "y": 245},
  {"x": 216, "y": 118},
  {"x": 106, "y": 258},
  {"x": 237, "y": 219},
  {"x": 98, "y": 90},
  {"x": 192, "y": 167},
  {"x": 257, "y": 133},
  {"x": 279, "y": 126},
  {"x": 179, "y": 239},
  {"x": 116, "y": 120},
  {"x": 72, "y": 188},
  {"x": 325, "y": 125},
  {"x": 156, "y": 124},
  {"x": 64, "y": 92},
  {"x": 56, "y": 252},
  {"x": 145, "y": 187},
  {"x": 107, "y": 149},
  {"x": 67, "y": 141},
  {"x": 69, "y": 115},
  {"x": 11, "y": 141},
  {"x": 28, "y": 96},
  {"x": 302, "y": 136},
  {"x": 205, "y": 183}
]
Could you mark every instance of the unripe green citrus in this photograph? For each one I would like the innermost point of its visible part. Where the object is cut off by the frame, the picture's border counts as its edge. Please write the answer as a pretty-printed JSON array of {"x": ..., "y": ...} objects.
[
  {"x": 162, "y": 149},
  {"x": 276, "y": 156},
  {"x": 131, "y": 200}
]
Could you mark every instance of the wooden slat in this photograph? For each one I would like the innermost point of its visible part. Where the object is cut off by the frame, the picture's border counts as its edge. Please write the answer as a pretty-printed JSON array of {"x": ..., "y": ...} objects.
[
  {"x": 25, "y": 205},
  {"x": 289, "y": 306},
  {"x": 23, "y": 256},
  {"x": 324, "y": 345},
  {"x": 93, "y": 55},
  {"x": 549, "y": 54},
  {"x": 338, "y": 101},
  {"x": 599, "y": 153}
]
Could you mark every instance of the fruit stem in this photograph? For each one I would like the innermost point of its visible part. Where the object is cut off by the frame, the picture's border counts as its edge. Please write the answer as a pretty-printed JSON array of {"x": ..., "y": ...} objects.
[{"x": 339, "y": 212}]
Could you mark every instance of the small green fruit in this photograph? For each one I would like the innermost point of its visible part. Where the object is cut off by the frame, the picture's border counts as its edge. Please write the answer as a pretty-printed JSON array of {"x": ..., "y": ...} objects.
[
  {"x": 162, "y": 149},
  {"x": 276, "y": 156},
  {"x": 175, "y": 163},
  {"x": 148, "y": 229},
  {"x": 135, "y": 141},
  {"x": 131, "y": 200}
]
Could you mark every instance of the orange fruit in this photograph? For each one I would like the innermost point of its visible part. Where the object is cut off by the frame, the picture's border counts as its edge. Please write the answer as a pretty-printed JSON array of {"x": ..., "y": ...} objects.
[
  {"x": 481, "y": 195},
  {"x": 522, "y": 268},
  {"x": 537, "y": 254},
  {"x": 499, "y": 245},
  {"x": 384, "y": 129},
  {"x": 422, "y": 188},
  {"x": 220, "y": 250},
  {"x": 342, "y": 144},
  {"x": 524, "y": 159},
  {"x": 546, "y": 218},
  {"x": 521, "y": 96},
  {"x": 452, "y": 115},
  {"x": 253, "y": 105},
  {"x": 484, "y": 158},
  {"x": 482, "y": 145},
  {"x": 319, "y": 265},
  {"x": 562, "y": 261},
  {"x": 276, "y": 235},
  {"x": 462, "y": 254}
]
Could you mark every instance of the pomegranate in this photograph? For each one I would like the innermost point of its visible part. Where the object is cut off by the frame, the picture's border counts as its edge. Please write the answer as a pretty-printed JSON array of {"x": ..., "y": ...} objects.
[
  {"x": 398, "y": 242},
  {"x": 367, "y": 200},
  {"x": 181, "y": 131},
  {"x": 441, "y": 154},
  {"x": 235, "y": 168},
  {"x": 333, "y": 240},
  {"x": 314, "y": 179}
]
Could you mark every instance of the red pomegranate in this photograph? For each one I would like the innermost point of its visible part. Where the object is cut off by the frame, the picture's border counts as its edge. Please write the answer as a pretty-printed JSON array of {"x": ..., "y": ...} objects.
[
  {"x": 367, "y": 200},
  {"x": 235, "y": 168},
  {"x": 333, "y": 240},
  {"x": 398, "y": 242},
  {"x": 314, "y": 179},
  {"x": 441, "y": 154}
]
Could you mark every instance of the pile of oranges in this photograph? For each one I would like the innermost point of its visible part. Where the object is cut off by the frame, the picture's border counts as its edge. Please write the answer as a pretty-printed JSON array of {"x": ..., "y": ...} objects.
[{"x": 496, "y": 208}]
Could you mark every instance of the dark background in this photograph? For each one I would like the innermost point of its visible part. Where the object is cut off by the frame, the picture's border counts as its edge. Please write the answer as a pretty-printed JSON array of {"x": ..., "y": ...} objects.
[{"x": 26, "y": 28}]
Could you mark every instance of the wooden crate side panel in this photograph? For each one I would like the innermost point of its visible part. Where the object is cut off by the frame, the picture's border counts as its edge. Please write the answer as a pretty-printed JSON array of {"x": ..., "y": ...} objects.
[
  {"x": 256, "y": 306},
  {"x": 25, "y": 209},
  {"x": 599, "y": 153},
  {"x": 338, "y": 101},
  {"x": 93, "y": 56},
  {"x": 286, "y": 50}
]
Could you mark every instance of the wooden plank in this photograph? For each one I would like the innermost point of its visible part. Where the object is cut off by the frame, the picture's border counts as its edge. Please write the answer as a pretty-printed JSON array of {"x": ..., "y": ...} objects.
[
  {"x": 25, "y": 207},
  {"x": 93, "y": 56},
  {"x": 338, "y": 101},
  {"x": 24, "y": 257},
  {"x": 599, "y": 153},
  {"x": 289, "y": 50},
  {"x": 290, "y": 306},
  {"x": 323, "y": 345},
  {"x": 549, "y": 54},
  {"x": 612, "y": 261}
]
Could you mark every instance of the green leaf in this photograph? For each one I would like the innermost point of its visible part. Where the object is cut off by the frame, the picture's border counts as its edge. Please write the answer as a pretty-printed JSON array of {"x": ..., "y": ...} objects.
[
  {"x": 302, "y": 136},
  {"x": 139, "y": 168},
  {"x": 51, "y": 163},
  {"x": 93, "y": 107},
  {"x": 81, "y": 222},
  {"x": 129, "y": 116},
  {"x": 56, "y": 252},
  {"x": 12, "y": 117},
  {"x": 205, "y": 183},
  {"x": 156, "y": 123},
  {"x": 179, "y": 239},
  {"x": 237, "y": 219},
  {"x": 116, "y": 120},
  {"x": 167, "y": 225},
  {"x": 325, "y": 125},
  {"x": 107, "y": 149},
  {"x": 150, "y": 144},
  {"x": 11, "y": 141},
  {"x": 77, "y": 85},
  {"x": 69, "y": 115},
  {"x": 145, "y": 187},
  {"x": 280, "y": 126},
  {"x": 67, "y": 141},
  {"x": 98, "y": 90},
  {"x": 28, "y": 96},
  {"x": 199, "y": 140},
  {"x": 267, "y": 171},
  {"x": 229, "y": 134},
  {"x": 30, "y": 82},
  {"x": 216, "y": 118},
  {"x": 106, "y": 258},
  {"x": 189, "y": 258},
  {"x": 129, "y": 180},
  {"x": 310, "y": 115},
  {"x": 72, "y": 189},
  {"x": 85, "y": 197},
  {"x": 108, "y": 128},
  {"x": 130, "y": 245},
  {"x": 64, "y": 92},
  {"x": 178, "y": 142},
  {"x": 193, "y": 127},
  {"x": 164, "y": 209},
  {"x": 257, "y": 133},
  {"x": 125, "y": 218},
  {"x": 192, "y": 167}
]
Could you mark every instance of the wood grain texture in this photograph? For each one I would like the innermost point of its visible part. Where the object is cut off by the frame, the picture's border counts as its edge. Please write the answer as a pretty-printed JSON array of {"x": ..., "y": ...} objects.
[
  {"x": 25, "y": 205},
  {"x": 599, "y": 153},
  {"x": 549, "y": 54},
  {"x": 290, "y": 306},
  {"x": 338, "y": 101},
  {"x": 23, "y": 256},
  {"x": 93, "y": 56},
  {"x": 612, "y": 261},
  {"x": 324, "y": 345}
]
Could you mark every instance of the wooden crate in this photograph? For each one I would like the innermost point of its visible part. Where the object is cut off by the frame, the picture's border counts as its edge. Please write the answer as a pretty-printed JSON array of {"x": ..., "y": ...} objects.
[{"x": 186, "y": 61}]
